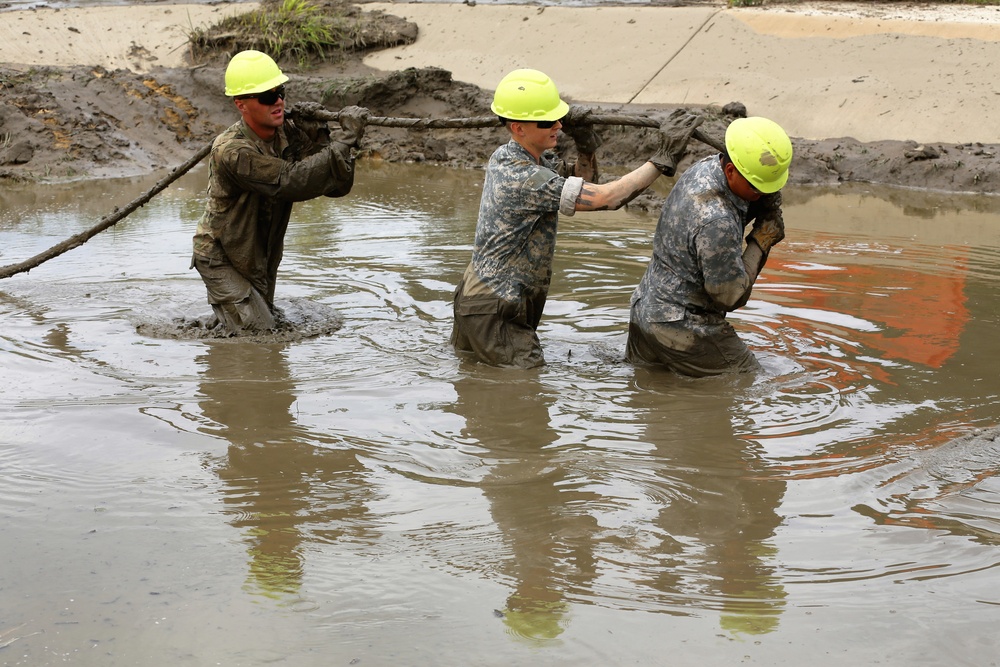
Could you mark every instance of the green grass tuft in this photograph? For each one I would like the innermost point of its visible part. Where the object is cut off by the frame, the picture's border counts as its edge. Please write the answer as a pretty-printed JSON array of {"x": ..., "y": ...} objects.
[{"x": 286, "y": 30}]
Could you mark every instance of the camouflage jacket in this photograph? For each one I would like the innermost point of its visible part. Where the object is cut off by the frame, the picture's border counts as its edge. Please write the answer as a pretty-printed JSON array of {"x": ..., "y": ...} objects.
[
  {"x": 251, "y": 187},
  {"x": 697, "y": 265},
  {"x": 518, "y": 215}
]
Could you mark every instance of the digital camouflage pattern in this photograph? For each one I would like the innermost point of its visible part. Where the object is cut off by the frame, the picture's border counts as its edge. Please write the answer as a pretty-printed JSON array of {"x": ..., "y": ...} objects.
[
  {"x": 499, "y": 301},
  {"x": 697, "y": 264},
  {"x": 518, "y": 216},
  {"x": 252, "y": 185}
]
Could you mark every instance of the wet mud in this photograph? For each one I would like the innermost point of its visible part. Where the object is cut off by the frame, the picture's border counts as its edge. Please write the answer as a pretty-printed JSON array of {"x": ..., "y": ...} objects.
[
  {"x": 59, "y": 123},
  {"x": 297, "y": 319}
]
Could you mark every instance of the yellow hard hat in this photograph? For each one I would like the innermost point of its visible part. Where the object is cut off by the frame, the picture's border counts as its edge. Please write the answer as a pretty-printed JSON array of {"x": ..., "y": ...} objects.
[
  {"x": 761, "y": 151},
  {"x": 527, "y": 94},
  {"x": 252, "y": 72}
]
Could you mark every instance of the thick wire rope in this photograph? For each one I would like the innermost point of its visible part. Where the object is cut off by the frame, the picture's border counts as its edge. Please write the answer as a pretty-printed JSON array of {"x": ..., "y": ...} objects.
[{"x": 478, "y": 122}]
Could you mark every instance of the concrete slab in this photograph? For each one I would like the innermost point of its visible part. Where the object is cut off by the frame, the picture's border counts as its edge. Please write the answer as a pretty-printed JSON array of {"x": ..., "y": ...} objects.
[{"x": 860, "y": 70}]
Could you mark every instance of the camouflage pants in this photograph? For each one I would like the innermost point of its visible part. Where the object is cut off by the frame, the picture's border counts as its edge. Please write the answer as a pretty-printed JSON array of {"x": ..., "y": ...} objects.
[
  {"x": 236, "y": 304},
  {"x": 498, "y": 332},
  {"x": 696, "y": 347}
]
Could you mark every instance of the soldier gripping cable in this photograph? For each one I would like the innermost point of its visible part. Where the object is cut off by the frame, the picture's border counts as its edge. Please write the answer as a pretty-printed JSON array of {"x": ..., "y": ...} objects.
[{"x": 258, "y": 168}]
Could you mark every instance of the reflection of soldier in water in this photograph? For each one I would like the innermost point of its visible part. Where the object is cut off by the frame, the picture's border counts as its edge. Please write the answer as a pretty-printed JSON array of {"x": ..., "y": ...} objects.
[
  {"x": 533, "y": 501},
  {"x": 278, "y": 479},
  {"x": 718, "y": 513}
]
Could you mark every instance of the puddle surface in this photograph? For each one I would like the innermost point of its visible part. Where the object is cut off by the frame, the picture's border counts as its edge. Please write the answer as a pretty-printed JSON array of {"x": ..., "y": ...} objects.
[{"x": 361, "y": 495}]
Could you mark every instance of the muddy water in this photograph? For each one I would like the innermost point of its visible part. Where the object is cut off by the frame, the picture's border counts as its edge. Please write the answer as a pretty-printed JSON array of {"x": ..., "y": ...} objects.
[{"x": 365, "y": 498}]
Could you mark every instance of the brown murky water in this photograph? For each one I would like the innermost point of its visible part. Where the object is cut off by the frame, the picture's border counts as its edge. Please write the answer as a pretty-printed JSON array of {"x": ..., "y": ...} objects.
[{"x": 365, "y": 498}]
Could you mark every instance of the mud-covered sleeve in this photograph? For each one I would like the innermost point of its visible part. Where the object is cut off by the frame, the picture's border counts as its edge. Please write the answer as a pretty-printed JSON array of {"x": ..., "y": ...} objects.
[
  {"x": 328, "y": 172},
  {"x": 557, "y": 164},
  {"x": 312, "y": 139},
  {"x": 719, "y": 247}
]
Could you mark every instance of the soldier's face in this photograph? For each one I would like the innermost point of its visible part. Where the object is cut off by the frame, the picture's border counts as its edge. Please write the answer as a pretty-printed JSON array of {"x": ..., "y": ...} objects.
[
  {"x": 535, "y": 139},
  {"x": 262, "y": 118}
]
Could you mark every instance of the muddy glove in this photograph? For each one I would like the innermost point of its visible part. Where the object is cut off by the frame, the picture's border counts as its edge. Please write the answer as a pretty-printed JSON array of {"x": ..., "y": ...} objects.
[
  {"x": 768, "y": 230},
  {"x": 675, "y": 132},
  {"x": 576, "y": 124},
  {"x": 765, "y": 206},
  {"x": 303, "y": 118},
  {"x": 353, "y": 121}
]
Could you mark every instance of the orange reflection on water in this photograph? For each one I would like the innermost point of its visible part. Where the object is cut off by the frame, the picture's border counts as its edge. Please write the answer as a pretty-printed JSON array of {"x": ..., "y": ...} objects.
[{"x": 919, "y": 316}]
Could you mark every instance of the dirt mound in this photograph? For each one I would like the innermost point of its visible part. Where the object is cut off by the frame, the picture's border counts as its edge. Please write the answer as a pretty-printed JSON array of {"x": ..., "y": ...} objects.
[{"x": 66, "y": 123}]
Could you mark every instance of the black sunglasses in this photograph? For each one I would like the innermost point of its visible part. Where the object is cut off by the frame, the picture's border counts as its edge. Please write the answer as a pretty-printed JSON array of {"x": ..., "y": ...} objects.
[
  {"x": 547, "y": 124},
  {"x": 267, "y": 98}
]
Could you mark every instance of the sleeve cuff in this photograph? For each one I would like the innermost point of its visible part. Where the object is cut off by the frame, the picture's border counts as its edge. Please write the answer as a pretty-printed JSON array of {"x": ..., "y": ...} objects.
[{"x": 570, "y": 193}]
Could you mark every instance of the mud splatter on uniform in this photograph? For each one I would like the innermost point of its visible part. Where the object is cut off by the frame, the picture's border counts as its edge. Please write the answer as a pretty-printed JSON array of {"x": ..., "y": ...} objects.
[
  {"x": 698, "y": 273},
  {"x": 252, "y": 185},
  {"x": 499, "y": 301}
]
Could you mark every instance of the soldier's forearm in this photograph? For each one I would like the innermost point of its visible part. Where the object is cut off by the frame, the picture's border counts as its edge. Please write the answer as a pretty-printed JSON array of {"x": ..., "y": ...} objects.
[{"x": 614, "y": 195}]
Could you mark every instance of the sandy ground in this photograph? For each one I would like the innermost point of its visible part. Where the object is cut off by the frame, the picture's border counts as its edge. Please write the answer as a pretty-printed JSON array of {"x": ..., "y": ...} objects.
[
  {"x": 135, "y": 37},
  {"x": 893, "y": 93},
  {"x": 858, "y": 73}
]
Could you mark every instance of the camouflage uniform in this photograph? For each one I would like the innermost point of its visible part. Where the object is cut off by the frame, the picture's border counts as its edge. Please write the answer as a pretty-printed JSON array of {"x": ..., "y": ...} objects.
[
  {"x": 499, "y": 301},
  {"x": 252, "y": 184},
  {"x": 697, "y": 274}
]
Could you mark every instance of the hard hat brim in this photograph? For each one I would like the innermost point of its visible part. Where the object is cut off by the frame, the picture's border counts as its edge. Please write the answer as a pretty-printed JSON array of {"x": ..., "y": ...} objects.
[
  {"x": 262, "y": 87},
  {"x": 557, "y": 113},
  {"x": 771, "y": 187}
]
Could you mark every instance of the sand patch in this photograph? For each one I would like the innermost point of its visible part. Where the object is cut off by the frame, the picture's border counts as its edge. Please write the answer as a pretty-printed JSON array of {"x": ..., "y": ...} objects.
[{"x": 136, "y": 37}]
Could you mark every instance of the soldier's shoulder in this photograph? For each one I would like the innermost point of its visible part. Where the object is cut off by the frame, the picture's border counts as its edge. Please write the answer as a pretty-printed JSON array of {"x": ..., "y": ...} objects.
[{"x": 231, "y": 137}]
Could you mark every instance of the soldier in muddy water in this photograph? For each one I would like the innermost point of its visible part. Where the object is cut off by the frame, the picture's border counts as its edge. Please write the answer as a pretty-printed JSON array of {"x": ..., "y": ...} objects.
[
  {"x": 258, "y": 167},
  {"x": 700, "y": 269},
  {"x": 499, "y": 300}
]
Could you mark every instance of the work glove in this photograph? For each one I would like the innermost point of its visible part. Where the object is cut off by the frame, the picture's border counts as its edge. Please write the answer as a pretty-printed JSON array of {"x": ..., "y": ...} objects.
[
  {"x": 303, "y": 115},
  {"x": 675, "y": 132},
  {"x": 302, "y": 111},
  {"x": 766, "y": 205},
  {"x": 353, "y": 120},
  {"x": 768, "y": 230},
  {"x": 576, "y": 123}
]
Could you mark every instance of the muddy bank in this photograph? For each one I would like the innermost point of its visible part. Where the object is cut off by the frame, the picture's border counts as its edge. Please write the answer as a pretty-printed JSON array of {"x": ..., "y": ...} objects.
[
  {"x": 59, "y": 123},
  {"x": 91, "y": 121}
]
